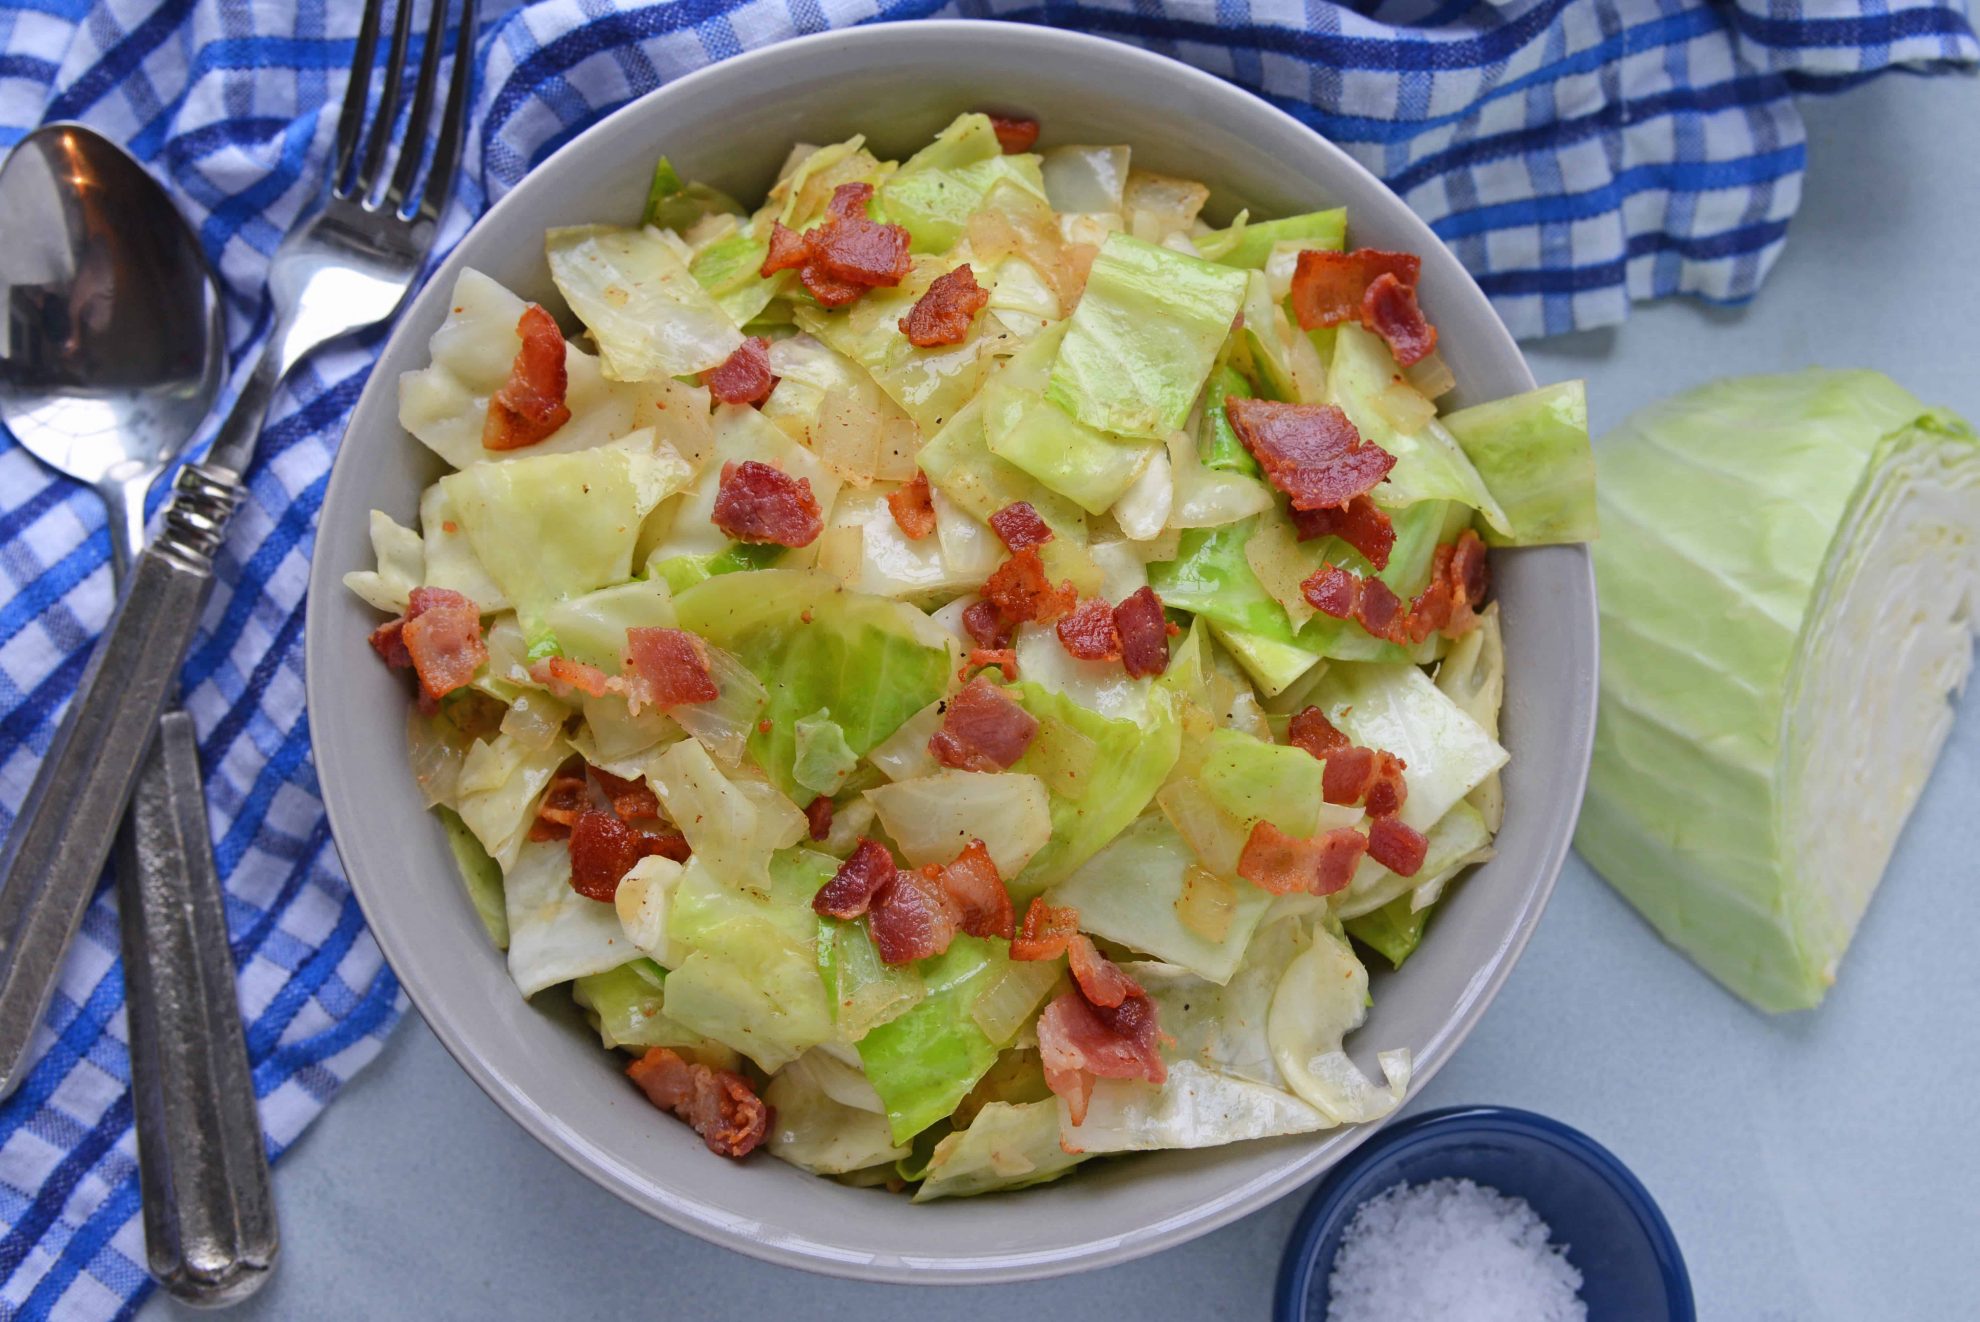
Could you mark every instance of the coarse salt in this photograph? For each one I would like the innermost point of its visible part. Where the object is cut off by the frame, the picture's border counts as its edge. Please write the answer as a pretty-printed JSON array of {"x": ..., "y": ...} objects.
[{"x": 1451, "y": 1251}]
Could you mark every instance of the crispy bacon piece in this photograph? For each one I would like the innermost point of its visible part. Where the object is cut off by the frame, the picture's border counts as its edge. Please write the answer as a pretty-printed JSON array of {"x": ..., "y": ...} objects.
[
  {"x": 913, "y": 507},
  {"x": 1079, "y": 1041},
  {"x": 1014, "y": 135},
  {"x": 1340, "y": 854},
  {"x": 603, "y": 850},
  {"x": 668, "y": 668},
  {"x": 1090, "y": 633},
  {"x": 943, "y": 313},
  {"x": 1387, "y": 790},
  {"x": 1381, "y": 612},
  {"x": 844, "y": 257},
  {"x": 744, "y": 377},
  {"x": 1277, "y": 863},
  {"x": 863, "y": 875},
  {"x": 530, "y": 405},
  {"x": 1046, "y": 932},
  {"x": 564, "y": 676},
  {"x": 1361, "y": 523},
  {"x": 1332, "y": 590},
  {"x": 1144, "y": 633},
  {"x": 761, "y": 503},
  {"x": 1004, "y": 658},
  {"x": 665, "y": 842},
  {"x": 632, "y": 800},
  {"x": 1389, "y": 309},
  {"x": 1396, "y": 846},
  {"x": 912, "y": 917},
  {"x": 789, "y": 250},
  {"x": 818, "y": 817},
  {"x": 1311, "y": 730},
  {"x": 1468, "y": 568},
  {"x": 983, "y": 729},
  {"x": 984, "y": 623},
  {"x": 1309, "y": 451},
  {"x": 719, "y": 1105},
  {"x": 389, "y": 641},
  {"x": 442, "y": 638},
  {"x": 564, "y": 798},
  {"x": 1349, "y": 773},
  {"x": 1019, "y": 590},
  {"x": 1019, "y": 526},
  {"x": 976, "y": 889},
  {"x": 1329, "y": 288},
  {"x": 1100, "y": 980}
]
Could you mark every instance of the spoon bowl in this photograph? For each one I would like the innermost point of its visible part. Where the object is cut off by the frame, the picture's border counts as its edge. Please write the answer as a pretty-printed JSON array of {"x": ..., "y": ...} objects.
[{"x": 111, "y": 340}]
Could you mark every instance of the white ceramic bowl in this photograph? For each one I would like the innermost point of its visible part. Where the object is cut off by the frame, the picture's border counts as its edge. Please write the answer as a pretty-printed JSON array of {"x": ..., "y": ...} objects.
[{"x": 731, "y": 125}]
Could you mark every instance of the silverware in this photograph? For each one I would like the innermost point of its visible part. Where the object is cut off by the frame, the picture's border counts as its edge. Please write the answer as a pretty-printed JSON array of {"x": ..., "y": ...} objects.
[
  {"x": 113, "y": 353},
  {"x": 346, "y": 269}
]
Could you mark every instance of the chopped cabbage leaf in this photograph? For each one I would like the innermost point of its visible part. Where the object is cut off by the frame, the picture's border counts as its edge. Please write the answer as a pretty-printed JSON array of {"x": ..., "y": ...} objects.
[
  {"x": 401, "y": 558},
  {"x": 734, "y": 826},
  {"x": 933, "y": 818},
  {"x": 1250, "y": 245},
  {"x": 481, "y": 876},
  {"x": 816, "y": 1131},
  {"x": 1007, "y": 1146},
  {"x": 556, "y": 934},
  {"x": 1088, "y": 467},
  {"x": 1397, "y": 708},
  {"x": 930, "y": 384},
  {"x": 649, "y": 314},
  {"x": 686, "y": 527},
  {"x": 822, "y": 759},
  {"x": 674, "y": 204},
  {"x": 936, "y": 189},
  {"x": 1533, "y": 452},
  {"x": 642, "y": 901},
  {"x": 450, "y": 559},
  {"x": 499, "y": 785},
  {"x": 1321, "y": 999},
  {"x": 1459, "y": 839},
  {"x": 628, "y": 1007},
  {"x": 1473, "y": 675},
  {"x": 863, "y": 991},
  {"x": 592, "y": 628},
  {"x": 924, "y": 1061}
]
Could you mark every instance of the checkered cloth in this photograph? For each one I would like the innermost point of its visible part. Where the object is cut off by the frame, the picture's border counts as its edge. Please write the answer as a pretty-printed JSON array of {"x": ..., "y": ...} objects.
[{"x": 1576, "y": 153}]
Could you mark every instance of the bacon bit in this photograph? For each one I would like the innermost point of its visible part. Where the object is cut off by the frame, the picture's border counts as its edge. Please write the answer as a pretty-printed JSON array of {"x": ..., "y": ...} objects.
[
  {"x": 1390, "y": 310},
  {"x": 1468, "y": 569},
  {"x": 1311, "y": 730},
  {"x": 566, "y": 796},
  {"x": 1019, "y": 526},
  {"x": 943, "y": 313},
  {"x": 765, "y": 726},
  {"x": 1387, "y": 790},
  {"x": 1090, "y": 633},
  {"x": 603, "y": 850},
  {"x": 1046, "y": 932},
  {"x": 744, "y": 377},
  {"x": 1144, "y": 633},
  {"x": 1340, "y": 854},
  {"x": 1362, "y": 524},
  {"x": 818, "y": 817},
  {"x": 847, "y": 255},
  {"x": 1100, "y": 980},
  {"x": 1309, "y": 451},
  {"x": 760, "y": 503},
  {"x": 563, "y": 676},
  {"x": 632, "y": 800},
  {"x": 1079, "y": 1041},
  {"x": 389, "y": 641},
  {"x": 984, "y": 729},
  {"x": 1004, "y": 658},
  {"x": 719, "y": 1105},
  {"x": 666, "y": 843},
  {"x": 976, "y": 889},
  {"x": 1277, "y": 863},
  {"x": 1397, "y": 846},
  {"x": 441, "y": 635},
  {"x": 851, "y": 890},
  {"x": 1332, "y": 591},
  {"x": 983, "y": 622},
  {"x": 1350, "y": 771},
  {"x": 1329, "y": 288},
  {"x": 1015, "y": 136},
  {"x": 448, "y": 525},
  {"x": 1380, "y": 611},
  {"x": 669, "y": 668},
  {"x": 911, "y": 918},
  {"x": 530, "y": 405},
  {"x": 1019, "y": 590},
  {"x": 913, "y": 507}
]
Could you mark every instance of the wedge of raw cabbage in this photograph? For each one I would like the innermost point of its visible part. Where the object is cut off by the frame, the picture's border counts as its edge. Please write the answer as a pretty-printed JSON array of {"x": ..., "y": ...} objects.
[{"x": 1788, "y": 569}]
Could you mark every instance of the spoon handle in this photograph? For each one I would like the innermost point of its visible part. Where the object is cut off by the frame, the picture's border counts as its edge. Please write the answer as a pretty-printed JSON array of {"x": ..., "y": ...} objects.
[
  {"x": 209, "y": 1214},
  {"x": 62, "y": 837}
]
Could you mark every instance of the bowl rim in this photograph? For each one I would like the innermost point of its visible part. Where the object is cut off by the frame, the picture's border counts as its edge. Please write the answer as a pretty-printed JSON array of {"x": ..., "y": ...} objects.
[
  {"x": 1330, "y": 1204},
  {"x": 684, "y": 1212}
]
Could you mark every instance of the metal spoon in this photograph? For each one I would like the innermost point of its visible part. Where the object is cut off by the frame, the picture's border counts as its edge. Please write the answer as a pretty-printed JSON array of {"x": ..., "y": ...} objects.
[{"x": 112, "y": 350}]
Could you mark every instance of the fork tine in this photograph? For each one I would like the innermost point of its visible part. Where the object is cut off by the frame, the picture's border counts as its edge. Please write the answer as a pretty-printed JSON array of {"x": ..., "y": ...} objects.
[
  {"x": 379, "y": 140},
  {"x": 453, "y": 120},
  {"x": 414, "y": 149},
  {"x": 350, "y": 121}
]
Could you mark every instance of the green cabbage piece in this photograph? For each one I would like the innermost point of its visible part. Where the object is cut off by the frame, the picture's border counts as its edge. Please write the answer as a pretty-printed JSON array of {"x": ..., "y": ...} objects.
[
  {"x": 821, "y": 759},
  {"x": 1088, "y": 467},
  {"x": 931, "y": 385},
  {"x": 1782, "y": 568},
  {"x": 730, "y": 270},
  {"x": 1100, "y": 773},
  {"x": 958, "y": 461},
  {"x": 1429, "y": 463},
  {"x": 674, "y": 204},
  {"x": 816, "y": 1127},
  {"x": 864, "y": 992},
  {"x": 870, "y": 661},
  {"x": 628, "y": 1006},
  {"x": 1143, "y": 338},
  {"x": 1250, "y": 245},
  {"x": 1253, "y": 781},
  {"x": 1220, "y": 447},
  {"x": 750, "y": 978},
  {"x": 1007, "y": 1146},
  {"x": 923, "y": 1062},
  {"x": 649, "y": 314},
  {"x": 936, "y": 189},
  {"x": 1395, "y": 707},
  {"x": 1533, "y": 452},
  {"x": 592, "y": 628},
  {"x": 480, "y": 875},
  {"x": 556, "y": 934}
]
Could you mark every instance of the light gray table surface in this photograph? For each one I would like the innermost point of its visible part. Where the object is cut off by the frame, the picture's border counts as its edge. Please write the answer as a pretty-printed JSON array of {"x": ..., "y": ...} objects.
[{"x": 1816, "y": 1167}]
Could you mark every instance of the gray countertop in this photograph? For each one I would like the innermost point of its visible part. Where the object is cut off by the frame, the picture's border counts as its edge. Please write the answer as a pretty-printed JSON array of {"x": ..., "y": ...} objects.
[{"x": 1818, "y": 1166}]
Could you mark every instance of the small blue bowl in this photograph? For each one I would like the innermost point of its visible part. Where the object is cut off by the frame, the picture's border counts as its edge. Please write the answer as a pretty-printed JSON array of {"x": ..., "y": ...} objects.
[{"x": 1631, "y": 1270}]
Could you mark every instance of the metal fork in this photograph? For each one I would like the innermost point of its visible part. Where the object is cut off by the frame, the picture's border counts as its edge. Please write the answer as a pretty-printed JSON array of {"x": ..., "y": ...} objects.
[{"x": 348, "y": 268}]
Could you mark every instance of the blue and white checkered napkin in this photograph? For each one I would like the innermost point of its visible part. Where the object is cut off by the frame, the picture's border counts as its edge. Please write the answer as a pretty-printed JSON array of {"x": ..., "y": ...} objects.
[{"x": 1576, "y": 153}]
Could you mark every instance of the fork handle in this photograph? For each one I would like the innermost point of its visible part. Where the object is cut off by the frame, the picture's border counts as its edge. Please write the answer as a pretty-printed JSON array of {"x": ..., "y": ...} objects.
[
  {"x": 209, "y": 1215},
  {"x": 62, "y": 837}
]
